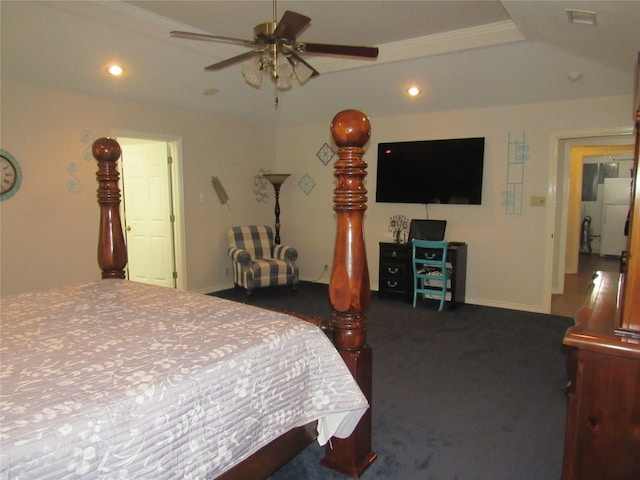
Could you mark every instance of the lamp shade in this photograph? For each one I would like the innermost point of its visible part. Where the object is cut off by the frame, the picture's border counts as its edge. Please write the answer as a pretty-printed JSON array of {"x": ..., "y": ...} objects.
[
  {"x": 276, "y": 178},
  {"x": 252, "y": 72},
  {"x": 303, "y": 72},
  {"x": 284, "y": 72}
]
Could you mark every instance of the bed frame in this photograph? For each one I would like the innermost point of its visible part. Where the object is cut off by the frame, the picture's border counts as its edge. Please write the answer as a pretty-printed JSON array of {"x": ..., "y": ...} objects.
[{"x": 349, "y": 292}]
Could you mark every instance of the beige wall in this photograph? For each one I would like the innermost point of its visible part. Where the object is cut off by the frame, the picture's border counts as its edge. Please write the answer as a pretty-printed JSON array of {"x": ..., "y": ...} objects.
[
  {"x": 510, "y": 256},
  {"x": 49, "y": 235}
]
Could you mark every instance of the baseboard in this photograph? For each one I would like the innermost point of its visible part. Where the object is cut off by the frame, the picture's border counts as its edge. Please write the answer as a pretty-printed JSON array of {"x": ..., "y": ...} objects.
[
  {"x": 507, "y": 305},
  {"x": 214, "y": 288},
  {"x": 493, "y": 303},
  {"x": 315, "y": 280}
]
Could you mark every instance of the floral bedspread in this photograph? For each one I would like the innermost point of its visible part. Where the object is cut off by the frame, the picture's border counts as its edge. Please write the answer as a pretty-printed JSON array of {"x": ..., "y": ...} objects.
[{"x": 121, "y": 380}]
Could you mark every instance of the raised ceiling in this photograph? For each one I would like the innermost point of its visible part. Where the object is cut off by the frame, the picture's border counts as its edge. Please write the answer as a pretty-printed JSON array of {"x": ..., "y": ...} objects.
[{"x": 464, "y": 54}]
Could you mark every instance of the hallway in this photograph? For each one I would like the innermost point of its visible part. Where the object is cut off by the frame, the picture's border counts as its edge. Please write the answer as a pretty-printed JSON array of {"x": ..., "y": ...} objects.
[{"x": 576, "y": 286}]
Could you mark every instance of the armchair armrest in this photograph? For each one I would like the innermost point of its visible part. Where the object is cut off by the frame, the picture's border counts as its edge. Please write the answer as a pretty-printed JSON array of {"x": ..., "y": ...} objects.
[
  {"x": 284, "y": 252},
  {"x": 239, "y": 255}
]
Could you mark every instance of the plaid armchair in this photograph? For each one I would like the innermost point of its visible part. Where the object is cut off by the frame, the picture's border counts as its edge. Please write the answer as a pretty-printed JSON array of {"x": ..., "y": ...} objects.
[{"x": 257, "y": 261}]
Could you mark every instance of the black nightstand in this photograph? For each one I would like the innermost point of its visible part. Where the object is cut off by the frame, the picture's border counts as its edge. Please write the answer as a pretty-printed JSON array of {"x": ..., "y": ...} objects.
[{"x": 395, "y": 275}]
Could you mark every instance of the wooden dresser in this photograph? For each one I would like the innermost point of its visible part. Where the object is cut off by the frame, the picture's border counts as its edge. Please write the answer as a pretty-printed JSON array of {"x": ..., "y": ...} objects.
[{"x": 602, "y": 438}]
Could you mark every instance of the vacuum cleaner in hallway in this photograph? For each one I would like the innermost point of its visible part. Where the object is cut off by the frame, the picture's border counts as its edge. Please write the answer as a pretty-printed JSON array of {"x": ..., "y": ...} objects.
[{"x": 585, "y": 237}]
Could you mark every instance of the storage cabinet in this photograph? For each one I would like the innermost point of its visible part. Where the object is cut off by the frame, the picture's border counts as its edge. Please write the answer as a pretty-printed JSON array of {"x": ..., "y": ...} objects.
[
  {"x": 602, "y": 437},
  {"x": 395, "y": 269},
  {"x": 395, "y": 275}
]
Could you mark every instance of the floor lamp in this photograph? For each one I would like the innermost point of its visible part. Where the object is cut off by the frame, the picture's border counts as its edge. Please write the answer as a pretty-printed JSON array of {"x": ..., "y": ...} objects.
[{"x": 277, "y": 179}]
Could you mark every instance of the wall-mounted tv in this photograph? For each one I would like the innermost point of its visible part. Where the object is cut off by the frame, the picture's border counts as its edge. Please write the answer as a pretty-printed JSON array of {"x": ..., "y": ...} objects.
[{"x": 431, "y": 171}]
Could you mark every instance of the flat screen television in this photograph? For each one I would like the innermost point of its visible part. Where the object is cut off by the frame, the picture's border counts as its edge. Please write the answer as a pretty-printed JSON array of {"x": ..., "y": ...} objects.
[{"x": 431, "y": 171}]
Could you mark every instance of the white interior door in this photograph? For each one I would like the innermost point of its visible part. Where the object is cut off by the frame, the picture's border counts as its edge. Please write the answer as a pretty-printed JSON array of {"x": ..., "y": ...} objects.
[{"x": 148, "y": 213}]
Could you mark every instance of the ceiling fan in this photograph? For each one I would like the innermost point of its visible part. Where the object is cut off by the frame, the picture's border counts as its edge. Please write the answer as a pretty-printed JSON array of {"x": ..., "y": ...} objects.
[{"x": 275, "y": 50}]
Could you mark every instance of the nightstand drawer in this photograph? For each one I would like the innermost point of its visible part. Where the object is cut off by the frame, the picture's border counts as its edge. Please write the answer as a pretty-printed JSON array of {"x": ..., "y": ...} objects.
[
  {"x": 390, "y": 285},
  {"x": 392, "y": 271},
  {"x": 394, "y": 253}
]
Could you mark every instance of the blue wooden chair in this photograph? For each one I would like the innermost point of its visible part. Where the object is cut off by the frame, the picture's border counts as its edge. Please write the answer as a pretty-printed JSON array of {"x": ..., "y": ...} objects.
[{"x": 430, "y": 273}]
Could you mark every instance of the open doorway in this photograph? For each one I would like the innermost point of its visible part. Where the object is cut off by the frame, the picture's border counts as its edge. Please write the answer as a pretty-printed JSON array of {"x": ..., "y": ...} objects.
[
  {"x": 152, "y": 211},
  {"x": 572, "y": 270}
]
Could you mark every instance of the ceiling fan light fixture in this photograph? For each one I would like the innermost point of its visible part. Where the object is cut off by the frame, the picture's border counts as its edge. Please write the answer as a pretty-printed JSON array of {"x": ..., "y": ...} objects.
[
  {"x": 283, "y": 73},
  {"x": 252, "y": 72},
  {"x": 302, "y": 72},
  {"x": 276, "y": 51}
]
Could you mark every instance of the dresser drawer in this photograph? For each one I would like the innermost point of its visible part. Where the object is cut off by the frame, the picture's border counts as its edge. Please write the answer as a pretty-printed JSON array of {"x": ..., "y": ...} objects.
[
  {"x": 392, "y": 271},
  {"x": 394, "y": 253},
  {"x": 394, "y": 274},
  {"x": 391, "y": 285}
]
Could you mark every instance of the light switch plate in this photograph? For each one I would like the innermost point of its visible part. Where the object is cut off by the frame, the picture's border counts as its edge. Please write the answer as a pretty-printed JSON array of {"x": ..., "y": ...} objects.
[{"x": 538, "y": 200}]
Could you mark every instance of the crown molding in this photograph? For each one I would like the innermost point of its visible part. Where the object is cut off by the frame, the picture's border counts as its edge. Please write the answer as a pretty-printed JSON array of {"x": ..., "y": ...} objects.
[
  {"x": 464, "y": 39},
  {"x": 153, "y": 25}
]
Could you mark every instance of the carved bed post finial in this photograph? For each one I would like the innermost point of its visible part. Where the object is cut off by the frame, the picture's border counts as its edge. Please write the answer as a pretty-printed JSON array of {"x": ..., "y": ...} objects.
[
  {"x": 349, "y": 290},
  {"x": 112, "y": 252}
]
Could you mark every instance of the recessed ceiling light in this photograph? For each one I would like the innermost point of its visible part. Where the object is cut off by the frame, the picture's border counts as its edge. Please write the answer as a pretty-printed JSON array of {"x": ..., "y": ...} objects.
[
  {"x": 413, "y": 91},
  {"x": 574, "y": 76},
  {"x": 583, "y": 17},
  {"x": 115, "y": 70}
]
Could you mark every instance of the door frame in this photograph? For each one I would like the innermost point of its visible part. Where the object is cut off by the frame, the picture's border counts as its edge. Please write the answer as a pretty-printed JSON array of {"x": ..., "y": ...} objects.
[
  {"x": 176, "y": 193},
  {"x": 559, "y": 188}
]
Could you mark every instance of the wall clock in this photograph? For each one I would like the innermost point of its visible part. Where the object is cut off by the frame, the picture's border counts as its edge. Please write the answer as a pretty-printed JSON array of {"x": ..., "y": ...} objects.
[{"x": 10, "y": 175}]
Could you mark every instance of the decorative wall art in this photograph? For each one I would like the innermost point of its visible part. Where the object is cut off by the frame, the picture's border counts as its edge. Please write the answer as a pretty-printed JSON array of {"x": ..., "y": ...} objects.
[
  {"x": 260, "y": 187},
  {"x": 220, "y": 191},
  {"x": 306, "y": 184},
  {"x": 325, "y": 154},
  {"x": 517, "y": 154},
  {"x": 87, "y": 137},
  {"x": 73, "y": 185},
  {"x": 10, "y": 175}
]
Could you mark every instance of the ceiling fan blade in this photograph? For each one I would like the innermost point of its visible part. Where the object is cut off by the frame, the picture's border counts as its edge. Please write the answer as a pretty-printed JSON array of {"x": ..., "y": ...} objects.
[
  {"x": 293, "y": 58},
  {"x": 348, "y": 50},
  {"x": 290, "y": 25},
  {"x": 233, "y": 60},
  {"x": 210, "y": 38}
]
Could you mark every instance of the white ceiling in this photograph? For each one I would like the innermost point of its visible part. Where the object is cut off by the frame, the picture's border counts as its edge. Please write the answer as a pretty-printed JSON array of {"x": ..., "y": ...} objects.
[{"x": 465, "y": 54}]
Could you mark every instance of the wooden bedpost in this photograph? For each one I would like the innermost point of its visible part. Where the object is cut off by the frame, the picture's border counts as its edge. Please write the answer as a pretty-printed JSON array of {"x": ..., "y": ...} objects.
[
  {"x": 112, "y": 252},
  {"x": 349, "y": 290}
]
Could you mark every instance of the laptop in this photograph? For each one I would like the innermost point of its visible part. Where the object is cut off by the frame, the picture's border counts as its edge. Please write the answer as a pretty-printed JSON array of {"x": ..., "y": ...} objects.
[{"x": 427, "y": 229}]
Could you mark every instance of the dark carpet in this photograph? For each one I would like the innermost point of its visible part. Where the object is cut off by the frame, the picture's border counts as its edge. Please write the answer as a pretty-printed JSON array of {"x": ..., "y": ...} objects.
[{"x": 477, "y": 393}]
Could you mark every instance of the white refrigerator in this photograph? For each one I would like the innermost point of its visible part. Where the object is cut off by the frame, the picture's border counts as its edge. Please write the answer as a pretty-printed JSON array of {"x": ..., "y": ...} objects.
[{"x": 616, "y": 200}]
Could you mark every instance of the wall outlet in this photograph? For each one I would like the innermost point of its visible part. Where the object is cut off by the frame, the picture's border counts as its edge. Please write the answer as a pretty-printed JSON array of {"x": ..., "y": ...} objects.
[
  {"x": 226, "y": 271},
  {"x": 538, "y": 200}
]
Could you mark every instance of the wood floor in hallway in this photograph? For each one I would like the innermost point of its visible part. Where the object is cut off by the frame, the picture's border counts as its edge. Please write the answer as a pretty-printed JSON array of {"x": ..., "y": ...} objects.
[{"x": 576, "y": 286}]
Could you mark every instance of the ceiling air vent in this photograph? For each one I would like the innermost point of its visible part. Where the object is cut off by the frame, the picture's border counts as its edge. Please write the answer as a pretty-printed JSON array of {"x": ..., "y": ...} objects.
[{"x": 583, "y": 17}]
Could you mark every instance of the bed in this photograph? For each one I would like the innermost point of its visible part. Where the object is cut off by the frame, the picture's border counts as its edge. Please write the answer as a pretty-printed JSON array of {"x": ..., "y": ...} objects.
[{"x": 117, "y": 379}]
